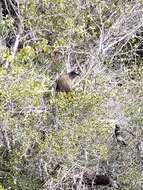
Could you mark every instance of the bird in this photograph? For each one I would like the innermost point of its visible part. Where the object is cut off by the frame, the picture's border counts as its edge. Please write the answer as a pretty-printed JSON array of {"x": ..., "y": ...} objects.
[
  {"x": 118, "y": 136},
  {"x": 65, "y": 81},
  {"x": 98, "y": 180},
  {"x": 102, "y": 180}
]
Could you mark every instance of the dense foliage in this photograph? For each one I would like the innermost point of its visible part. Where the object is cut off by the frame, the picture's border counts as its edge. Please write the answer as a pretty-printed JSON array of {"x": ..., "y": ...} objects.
[{"x": 48, "y": 140}]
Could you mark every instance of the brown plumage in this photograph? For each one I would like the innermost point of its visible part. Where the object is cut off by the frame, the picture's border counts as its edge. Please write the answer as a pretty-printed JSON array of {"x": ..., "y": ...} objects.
[
  {"x": 64, "y": 82},
  {"x": 93, "y": 179},
  {"x": 102, "y": 180}
]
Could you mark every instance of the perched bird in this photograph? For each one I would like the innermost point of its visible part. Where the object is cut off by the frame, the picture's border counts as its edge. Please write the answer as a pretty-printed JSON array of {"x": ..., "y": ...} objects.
[
  {"x": 118, "y": 136},
  {"x": 98, "y": 180},
  {"x": 65, "y": 81},
  {"x": 102, "y": 180}
]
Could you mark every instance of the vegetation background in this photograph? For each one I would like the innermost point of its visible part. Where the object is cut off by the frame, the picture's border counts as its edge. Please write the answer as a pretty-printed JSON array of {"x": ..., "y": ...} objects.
[{"x": 48, "y": 141}]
